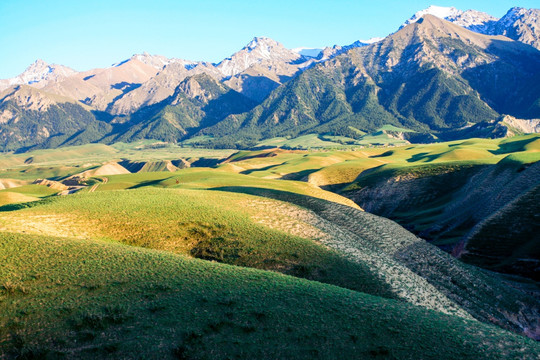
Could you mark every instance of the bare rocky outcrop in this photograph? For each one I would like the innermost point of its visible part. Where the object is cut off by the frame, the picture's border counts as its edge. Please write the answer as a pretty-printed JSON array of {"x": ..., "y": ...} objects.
[
  {"x": 11, "y": 183},
  {"x": 56, "y": 185},
  {"x": 527, "y": 126},
  {"x": 155, "y": 165}
]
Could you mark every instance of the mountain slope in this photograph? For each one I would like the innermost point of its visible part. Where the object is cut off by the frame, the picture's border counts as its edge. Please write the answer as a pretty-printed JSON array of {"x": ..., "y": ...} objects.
[
  {"x": 260, "y": 67},
  {"x": 431, "y": 76},
  {"x": 38, "y": 74},
  {"x": 30, "y": 117},
  {"x": 199, "y": 101},
  {"x": 258, "y": 50},
  {"x": 161, "y": 86},
  {"x": 518, "y": 23}
]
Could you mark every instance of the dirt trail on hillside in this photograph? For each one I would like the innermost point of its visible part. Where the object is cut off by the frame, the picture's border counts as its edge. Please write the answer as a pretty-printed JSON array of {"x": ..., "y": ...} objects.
[{"x": 104, "y": 180}]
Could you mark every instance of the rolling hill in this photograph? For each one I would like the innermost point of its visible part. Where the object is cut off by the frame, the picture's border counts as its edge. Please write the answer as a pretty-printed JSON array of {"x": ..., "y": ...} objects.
[{"x": 175, "y": 307}]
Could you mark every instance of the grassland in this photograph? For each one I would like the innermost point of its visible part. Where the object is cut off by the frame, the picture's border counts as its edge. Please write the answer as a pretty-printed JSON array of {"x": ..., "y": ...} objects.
[
  {"x": 62, "y": 162},
  {"x": 411, "y": 184},
  {"x": 252, "y": 258},
  {"x": 524, "y": 149},
  {"x": 65, "y": 298},
  {"x": 316, "y": 141},
  {"x": 204, "y": 224},
  {"x": 25, "y": 193},
  {"x": 284, "y": 226}
]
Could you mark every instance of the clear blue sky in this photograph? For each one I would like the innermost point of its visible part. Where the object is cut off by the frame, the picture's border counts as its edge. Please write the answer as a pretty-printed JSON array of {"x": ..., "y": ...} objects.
[{"x": 97, "y": 33}]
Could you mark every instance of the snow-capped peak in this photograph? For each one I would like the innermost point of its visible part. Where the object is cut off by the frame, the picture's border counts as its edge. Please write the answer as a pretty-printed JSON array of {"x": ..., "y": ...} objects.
[
  {"x": 256, "y": 51},
  {"x": 40, "y": 71},
  {"x": 471, "y": 19},
  {"x": 261, "y": 42},
  {"x": 438, "y": 11}
]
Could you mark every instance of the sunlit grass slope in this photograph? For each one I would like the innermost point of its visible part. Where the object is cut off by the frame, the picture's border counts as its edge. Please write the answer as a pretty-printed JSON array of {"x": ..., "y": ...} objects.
[
  {"x": 9, "y": 197},
  {"x": 210, "y": 225},
  {"x": 326, "y": 168},
  {"x": 25, "y": 193},
  {"x": 63, "y": 162},
  {"x": 283, "y": 226},
  {"x": 86, "y": 299}
]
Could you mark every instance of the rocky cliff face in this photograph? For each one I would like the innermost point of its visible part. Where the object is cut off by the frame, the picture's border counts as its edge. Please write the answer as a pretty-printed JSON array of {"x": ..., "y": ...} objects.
[{"x": 519, "y": 24}]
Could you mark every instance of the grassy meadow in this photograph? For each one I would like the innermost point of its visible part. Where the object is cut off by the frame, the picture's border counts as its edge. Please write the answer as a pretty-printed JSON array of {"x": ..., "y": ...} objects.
[
  {"x": 257, "y": 256},
  {"x": 67, "y": 298}
]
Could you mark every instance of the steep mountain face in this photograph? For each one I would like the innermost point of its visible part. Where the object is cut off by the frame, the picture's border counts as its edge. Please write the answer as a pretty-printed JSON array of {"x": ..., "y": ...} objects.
[
  {"x": 199, "y": 101},
  {"x": 152, "y": 91},
  {"x": 257, "y": 69},
  {"x": 330, "y": 52},
  {"x": 474, "y": 20},
  {"x": 431, "y": 76},
  {"x": 261, "y": 66},
  {"x": 259, "y": 50},
  {"x": 471, "y": 19},
  {"x": 161, "y": 86},
  {"x": 38, "y": 74},
  {"x": 30, "y": 117},
  {"x": 159, "y": 61},
  {"x": 99, "y": 88},
  {"x": 518, "y": 24}
]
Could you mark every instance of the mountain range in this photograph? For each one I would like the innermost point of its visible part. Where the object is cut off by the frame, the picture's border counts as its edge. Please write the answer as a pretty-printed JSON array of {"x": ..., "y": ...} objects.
[{"x": 445, "y": 74}]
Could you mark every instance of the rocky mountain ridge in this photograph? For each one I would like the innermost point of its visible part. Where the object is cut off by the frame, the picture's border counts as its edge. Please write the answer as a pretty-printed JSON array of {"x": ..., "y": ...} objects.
[
  {"x": 466, "y": 68},
  {"x": 518, "y": 23}
]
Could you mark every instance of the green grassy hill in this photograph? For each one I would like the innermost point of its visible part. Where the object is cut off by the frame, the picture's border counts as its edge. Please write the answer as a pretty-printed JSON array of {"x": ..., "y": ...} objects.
[
  {"x": 283, "y": 226},
  {"x": 205, "y": 263},
  {"x": 66, "y": 298}
]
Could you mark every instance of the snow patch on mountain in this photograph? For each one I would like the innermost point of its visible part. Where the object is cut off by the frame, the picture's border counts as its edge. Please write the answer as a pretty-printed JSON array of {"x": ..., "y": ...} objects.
[
  {"x": 438, "y": 11},
  {"x": 471, "y": 19},
  {"x": 37, "y": 73},
  {"x": 308, "y": 52},
  {"x": 256, "y": 51},
  {"x": 519, "y": 24}
]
